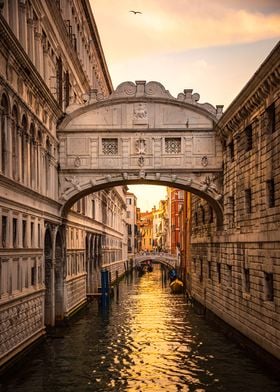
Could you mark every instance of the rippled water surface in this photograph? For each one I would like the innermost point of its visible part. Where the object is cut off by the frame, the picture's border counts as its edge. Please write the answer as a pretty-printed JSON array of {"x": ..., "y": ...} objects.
[{"x": 148, "y": 340}]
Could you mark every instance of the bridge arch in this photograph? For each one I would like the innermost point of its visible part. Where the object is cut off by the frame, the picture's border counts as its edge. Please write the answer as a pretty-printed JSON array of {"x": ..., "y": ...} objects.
[
  {"x": 170, "y": 261},
  {"x": 140, "y": 134},
  {"x": 201, "y": 189}
]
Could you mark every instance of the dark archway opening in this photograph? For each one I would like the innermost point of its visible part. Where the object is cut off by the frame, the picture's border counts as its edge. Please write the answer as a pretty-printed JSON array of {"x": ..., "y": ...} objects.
[
  {"x": 59, "y": 305},
  {"x": 48, "y": 276}
]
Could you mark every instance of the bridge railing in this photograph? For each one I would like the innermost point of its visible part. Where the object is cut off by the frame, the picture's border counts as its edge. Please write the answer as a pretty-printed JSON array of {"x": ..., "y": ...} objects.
[{"x": 161, "y": 257}]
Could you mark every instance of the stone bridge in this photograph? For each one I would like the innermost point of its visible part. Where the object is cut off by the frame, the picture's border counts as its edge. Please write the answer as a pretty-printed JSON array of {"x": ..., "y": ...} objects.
[
  {"x": 168, "y": 260},
  {"x": 141, "y": 134}
]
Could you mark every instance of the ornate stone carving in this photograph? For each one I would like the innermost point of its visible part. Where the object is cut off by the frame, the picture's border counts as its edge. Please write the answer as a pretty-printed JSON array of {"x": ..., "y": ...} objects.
[
  {"x": 209, "y": 184},
  {"x": 204, "y": 161},
  {"x": 141, "y": 161},
  {"x": 173, "y": 145},
  {"x": 74, "y": 181},
  {"x": 124, "y": 89},
  {"x": 140, "y": 145},
  {"x": 77, "y": 162},
  {"x": 140, "y": 115},
  {"x": 156, "y": 89},
  {"x": 110, "y": 146},
  {"x": 19, "y": 322},
  {"x": 142, "y": 174}
]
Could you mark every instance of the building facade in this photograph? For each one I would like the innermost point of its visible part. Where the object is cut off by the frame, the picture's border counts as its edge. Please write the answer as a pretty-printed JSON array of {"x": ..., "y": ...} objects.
[
  {"x": 50, "y": 57},
  {"x": 51, "y": 61},
  {"x": 131, "y": 217},
  {"x": 145, "y": 227},
  {"x": 176, "y": 200},
  {"x": 160, "y": 221},
  {"x": 235, "y": 270}
]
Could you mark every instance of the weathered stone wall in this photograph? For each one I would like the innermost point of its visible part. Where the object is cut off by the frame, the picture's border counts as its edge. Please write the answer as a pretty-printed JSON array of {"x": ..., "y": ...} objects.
[{"x": 236, "y": 271}]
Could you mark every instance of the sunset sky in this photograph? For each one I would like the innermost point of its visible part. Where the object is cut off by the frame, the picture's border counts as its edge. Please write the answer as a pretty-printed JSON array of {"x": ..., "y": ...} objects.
[{"x": 212, "y": 47}]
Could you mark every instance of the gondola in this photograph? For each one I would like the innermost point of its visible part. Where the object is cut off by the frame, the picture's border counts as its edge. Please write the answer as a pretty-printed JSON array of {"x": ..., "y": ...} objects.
[{"x": 177, "y": 286}]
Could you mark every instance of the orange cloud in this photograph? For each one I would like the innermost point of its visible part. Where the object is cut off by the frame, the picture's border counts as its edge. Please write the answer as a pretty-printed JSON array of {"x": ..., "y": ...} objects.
[{"x": 177, "y": 26}]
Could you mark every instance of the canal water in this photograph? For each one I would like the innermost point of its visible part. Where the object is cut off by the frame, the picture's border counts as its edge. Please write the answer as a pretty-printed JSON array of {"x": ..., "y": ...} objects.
[{"x": 147, "y": 340}]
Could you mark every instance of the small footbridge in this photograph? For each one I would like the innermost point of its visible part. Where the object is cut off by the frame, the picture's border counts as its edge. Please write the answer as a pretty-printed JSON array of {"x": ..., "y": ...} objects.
[{"x": 166, "y": 259}]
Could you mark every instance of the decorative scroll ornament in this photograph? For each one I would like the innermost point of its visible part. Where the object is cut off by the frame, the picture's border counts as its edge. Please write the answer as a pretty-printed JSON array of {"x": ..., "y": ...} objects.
[
  {"x": 204, "y": 161},
  {"x": 142, "y": 174},
  {"x": 141, "y": 161},
  {"x": 74, "y": 181},
  {"x": 141, "y": 150},
  {"x": 140, "y": 146},
  {"x": 77, "y": 162}
]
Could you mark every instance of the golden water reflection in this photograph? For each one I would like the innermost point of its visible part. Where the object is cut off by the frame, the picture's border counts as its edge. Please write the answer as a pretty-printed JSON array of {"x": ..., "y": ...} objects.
[
  {"x": 157, "y": 340},
  {"x": 147, "y": 340}
]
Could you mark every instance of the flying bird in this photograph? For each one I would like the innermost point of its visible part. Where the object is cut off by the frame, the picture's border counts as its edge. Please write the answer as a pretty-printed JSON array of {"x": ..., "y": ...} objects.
[{"x": 136, "y": 12}]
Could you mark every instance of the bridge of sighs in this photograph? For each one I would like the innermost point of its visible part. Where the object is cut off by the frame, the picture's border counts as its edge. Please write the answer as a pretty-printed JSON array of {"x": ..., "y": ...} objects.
[{"x": 141, "y": 134}]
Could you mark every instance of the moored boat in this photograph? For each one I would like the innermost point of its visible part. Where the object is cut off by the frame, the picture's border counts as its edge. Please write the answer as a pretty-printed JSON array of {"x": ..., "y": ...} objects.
[{"x": 177, "y": 286}]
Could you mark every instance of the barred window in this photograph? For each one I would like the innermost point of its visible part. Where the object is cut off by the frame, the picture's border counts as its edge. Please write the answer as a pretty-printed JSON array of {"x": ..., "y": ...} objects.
[
  {"x": 231, "y": 150},
  {"x": 219, "y": 272},
  {"x": 230, "y": 205},
  {"x": 229, "y": 270},
  {"x": 110, "y": 146},
  {"x": 249, "y": 138},
  {"x": 246, "y": 273},
  {"x": 209, "y": 270},
  {"x": 268, "y": 286},
  {"x": 248, "y": 200},
  {"x": 270, "y": 112},
  {"x": 201, "y": 271},
  {"x": 271, "y": 193},
  {"x": 173, "y": 145}
]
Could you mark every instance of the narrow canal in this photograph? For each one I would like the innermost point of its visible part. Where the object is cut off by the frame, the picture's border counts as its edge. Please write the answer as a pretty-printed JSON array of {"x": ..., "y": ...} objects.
[{"x": 149, "y": 340}]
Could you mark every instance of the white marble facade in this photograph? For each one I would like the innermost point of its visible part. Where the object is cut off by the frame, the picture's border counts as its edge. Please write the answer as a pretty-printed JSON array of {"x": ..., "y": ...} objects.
[{"x": 48, "y": 264}]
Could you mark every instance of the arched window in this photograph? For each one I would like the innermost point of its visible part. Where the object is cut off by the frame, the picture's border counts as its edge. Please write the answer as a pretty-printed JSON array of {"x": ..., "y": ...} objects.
[
  {"x": 3, "y": 132},
  {"x": 39, "y": 165},
  {"x": 32, "y": 156},
  {"x": 14, "y": 126},
  {"x": 47, "y": 160},
  {"x": 23, "y": 147}
]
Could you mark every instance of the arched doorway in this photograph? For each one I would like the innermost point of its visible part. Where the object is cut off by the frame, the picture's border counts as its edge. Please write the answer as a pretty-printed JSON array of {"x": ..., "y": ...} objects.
[
  {"x": 59, "y": 304},
  {"x": 48, "y": 276}
]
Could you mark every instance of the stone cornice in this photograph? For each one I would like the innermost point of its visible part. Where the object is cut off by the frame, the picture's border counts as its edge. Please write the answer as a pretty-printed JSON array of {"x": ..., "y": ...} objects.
[
  {"x": 22, "y": 189},
  {"x": 264, "y": 82},
  {"x": 140, "y": 91},
  {"x": 26, "y": 67},
  {"x": 97, "y": 42},
  {"x": 27, "y": 110},
  {"x": 59, "y": 23}
]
